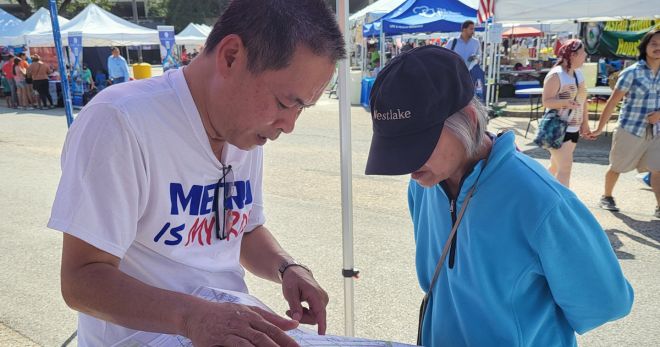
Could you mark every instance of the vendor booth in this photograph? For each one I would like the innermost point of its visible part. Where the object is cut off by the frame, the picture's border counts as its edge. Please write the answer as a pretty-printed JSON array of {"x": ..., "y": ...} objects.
[
  {"x": 193, "y": 34},
  {"x": 556, "y": 11},
  {"x": 416, "y": 16},
  {"x": 99, "y": 29}
]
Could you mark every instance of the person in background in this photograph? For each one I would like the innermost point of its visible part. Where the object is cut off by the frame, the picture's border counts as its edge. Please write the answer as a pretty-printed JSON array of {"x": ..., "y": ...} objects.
[
  {"x": 117, "y": 67},
  {"x": 466, "y": 45},
  {"x": 20, "y": 74},
  {"x": 564, "y": 90},
  {"x": 39, "y": 72},
  {"x": 531, "y": 272},
  {"x": 88, "y": 82},
  {"x": 32, "y": 96},
  {"x": 8, "y": 72},
  {"x": 100, "y": 80},
  {"x": 636, "y": 141},
  {"x": 6, "y": 91}
]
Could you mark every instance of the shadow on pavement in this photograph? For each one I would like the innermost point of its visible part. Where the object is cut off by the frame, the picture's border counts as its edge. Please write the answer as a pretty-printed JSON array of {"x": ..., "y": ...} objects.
[
  {"x": 617, "y": 244},
  {"x": 650, "y": 229},
  {"x": 589, "y": 152}
]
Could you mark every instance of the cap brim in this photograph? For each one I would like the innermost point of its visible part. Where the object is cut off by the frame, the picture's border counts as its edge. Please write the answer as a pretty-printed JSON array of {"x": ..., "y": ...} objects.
[{"x": 401, "y": 155}]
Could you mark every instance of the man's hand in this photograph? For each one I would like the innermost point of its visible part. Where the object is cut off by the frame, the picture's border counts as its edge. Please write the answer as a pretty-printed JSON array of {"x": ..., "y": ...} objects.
[
  {"x": 225, "y": 324},
  {"x": 298, "y": 285}
]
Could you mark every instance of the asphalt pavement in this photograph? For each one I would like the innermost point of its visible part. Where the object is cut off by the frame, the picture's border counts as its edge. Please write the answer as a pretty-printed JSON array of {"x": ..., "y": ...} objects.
[{"x": 303, "y": 209}]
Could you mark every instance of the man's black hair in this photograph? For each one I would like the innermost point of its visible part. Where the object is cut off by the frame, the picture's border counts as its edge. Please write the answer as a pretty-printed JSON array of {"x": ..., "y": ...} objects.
[
  {"x": 645, "y": 42},
  {"x": 271, "y": 30}
]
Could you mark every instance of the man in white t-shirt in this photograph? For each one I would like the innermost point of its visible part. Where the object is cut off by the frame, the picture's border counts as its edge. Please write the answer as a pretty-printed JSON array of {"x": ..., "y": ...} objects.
[{"x": 161, "y": 184}]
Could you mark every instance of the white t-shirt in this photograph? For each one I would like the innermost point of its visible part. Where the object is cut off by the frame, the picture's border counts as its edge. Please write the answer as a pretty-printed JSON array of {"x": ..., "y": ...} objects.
[
  {"x": 138, "y": 179},
  {"x": 568, "y": 90}
]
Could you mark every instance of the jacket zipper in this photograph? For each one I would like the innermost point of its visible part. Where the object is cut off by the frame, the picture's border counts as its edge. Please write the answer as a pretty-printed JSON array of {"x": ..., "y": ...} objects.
[{"x": 452, "y": 250}]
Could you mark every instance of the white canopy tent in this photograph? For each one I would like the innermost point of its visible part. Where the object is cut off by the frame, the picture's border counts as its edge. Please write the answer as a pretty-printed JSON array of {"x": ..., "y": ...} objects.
[
  {"x": 38, "y": 22},
  {"x": 548, "y": 11},
  {"x": 7, "y": 21},
  {"x": 193, "y": 34},
  {"x": 100, "y": 28},
  {"x": 374, "y": 11}
]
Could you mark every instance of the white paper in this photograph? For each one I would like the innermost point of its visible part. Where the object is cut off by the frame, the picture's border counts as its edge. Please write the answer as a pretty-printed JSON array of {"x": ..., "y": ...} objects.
[{"x": 304, "y": 337}]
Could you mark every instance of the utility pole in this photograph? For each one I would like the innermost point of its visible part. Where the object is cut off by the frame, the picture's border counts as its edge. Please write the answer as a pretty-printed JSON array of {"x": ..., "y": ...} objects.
[{"x": 135, "y": 18}]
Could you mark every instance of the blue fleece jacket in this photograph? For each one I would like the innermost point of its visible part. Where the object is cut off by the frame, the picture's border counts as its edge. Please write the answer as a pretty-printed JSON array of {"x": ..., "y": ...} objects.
[{"x": 530, "y": 267}]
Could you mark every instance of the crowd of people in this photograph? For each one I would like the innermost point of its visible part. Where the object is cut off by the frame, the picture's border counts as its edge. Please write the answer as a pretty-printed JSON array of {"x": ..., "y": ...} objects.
[{"x": 24, "y": 84}]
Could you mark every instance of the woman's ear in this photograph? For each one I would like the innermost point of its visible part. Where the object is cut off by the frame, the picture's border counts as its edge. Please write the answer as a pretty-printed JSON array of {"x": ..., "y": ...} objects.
[{"x": 471, "y": 114}]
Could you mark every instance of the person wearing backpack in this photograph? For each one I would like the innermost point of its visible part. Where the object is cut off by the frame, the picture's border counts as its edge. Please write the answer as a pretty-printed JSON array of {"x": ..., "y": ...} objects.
[{"x": 469, "y": 49}]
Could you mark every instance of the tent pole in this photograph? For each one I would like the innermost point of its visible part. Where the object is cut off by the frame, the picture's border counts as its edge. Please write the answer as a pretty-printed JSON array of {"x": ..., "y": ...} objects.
[
  {"x": 348, "y": 272},
  {"x": 66, "y": 92},
  {"x": 382, "y": 45},
  {"x": 364, "y": 56},
  {"x": 489, "y": 80},
  {"x": 486, "y": 40},
  {"x": 497, "y": 74}
]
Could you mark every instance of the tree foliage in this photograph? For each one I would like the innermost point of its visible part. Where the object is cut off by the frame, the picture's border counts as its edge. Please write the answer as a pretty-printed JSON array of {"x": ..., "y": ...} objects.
[
  {"x": 182, "y": 12},
  {"x": 66, "y": 8}
]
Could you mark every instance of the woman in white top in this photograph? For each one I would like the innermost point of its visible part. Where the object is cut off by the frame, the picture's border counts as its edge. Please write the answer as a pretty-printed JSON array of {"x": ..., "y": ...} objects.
[{"x": 564, "y": 90}]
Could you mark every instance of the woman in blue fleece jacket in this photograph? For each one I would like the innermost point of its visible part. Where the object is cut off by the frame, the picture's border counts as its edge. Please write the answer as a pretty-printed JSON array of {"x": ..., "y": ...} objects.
[{"x": 529, "y": 265}]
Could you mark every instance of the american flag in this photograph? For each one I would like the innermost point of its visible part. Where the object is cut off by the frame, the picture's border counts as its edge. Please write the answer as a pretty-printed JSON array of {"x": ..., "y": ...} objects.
[{"x": 486, "y": 10}]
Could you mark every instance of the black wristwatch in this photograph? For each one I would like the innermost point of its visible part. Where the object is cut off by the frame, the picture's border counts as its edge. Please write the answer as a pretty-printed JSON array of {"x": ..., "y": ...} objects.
[{"x": 287, "y": 264}]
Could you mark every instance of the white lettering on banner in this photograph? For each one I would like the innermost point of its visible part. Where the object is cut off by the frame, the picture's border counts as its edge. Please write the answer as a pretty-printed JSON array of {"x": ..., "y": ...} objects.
[
  {"x": 430, "y": 12},
  {"x": 392, "y": 115}
]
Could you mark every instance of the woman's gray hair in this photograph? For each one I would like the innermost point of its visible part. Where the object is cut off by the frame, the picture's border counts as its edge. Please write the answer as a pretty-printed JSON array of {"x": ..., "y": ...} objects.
[{"x": 470, "y": 134}]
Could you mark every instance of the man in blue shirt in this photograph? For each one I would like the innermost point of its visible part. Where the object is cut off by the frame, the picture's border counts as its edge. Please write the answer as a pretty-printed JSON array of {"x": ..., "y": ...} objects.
[
  {"x": 527, "y": 263},
  {"x": 636, "y": 142},
  {"x": 469, "y": 49},
  {"x": 117, "y": 67},
  {"x": 466, "y": 45}
]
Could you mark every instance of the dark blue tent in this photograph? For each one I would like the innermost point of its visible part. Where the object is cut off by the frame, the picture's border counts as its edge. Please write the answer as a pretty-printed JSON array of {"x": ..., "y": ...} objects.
[{"x": 420, "y": 16}]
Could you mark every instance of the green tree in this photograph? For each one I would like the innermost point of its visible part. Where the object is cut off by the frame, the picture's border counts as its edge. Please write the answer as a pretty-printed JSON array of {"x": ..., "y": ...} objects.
[
  {"x": 182, "y": 12},
  {"x": 66, "y": 8}
]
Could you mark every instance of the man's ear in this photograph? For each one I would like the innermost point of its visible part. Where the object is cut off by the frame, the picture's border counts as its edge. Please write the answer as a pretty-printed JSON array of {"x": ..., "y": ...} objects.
[{"x": 230, "y": 53}]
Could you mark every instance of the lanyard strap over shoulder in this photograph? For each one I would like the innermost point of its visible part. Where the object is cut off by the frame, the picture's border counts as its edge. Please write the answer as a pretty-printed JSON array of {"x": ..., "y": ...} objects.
[{"x": 452, "y": 234}]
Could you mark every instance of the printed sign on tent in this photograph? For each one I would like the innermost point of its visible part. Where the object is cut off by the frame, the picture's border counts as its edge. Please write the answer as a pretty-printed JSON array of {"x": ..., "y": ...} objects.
[
  {"x": 616, "y": 39},
  {"x": 76, "y": 49},
  {"x": 167, "y": 44}
]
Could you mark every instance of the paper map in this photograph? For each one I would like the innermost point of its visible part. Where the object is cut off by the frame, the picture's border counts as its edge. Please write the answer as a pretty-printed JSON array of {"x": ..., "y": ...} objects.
[{"x": 304, "y": 337}]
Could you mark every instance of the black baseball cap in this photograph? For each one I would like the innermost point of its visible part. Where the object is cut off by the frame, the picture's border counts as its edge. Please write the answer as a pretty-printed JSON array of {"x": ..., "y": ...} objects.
[{"x": 410, "y": 100}]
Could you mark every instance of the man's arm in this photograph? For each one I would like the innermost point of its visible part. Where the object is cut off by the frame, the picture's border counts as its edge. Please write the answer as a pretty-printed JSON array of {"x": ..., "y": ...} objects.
[
  {"x": 92, "y": 284},
  {"x": 612, "y": 101},
  {"x": 262, "y": 255}
]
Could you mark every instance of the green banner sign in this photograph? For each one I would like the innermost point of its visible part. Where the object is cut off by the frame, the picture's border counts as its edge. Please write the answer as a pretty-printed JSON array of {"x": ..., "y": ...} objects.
[{"x": 616, "y": 39}]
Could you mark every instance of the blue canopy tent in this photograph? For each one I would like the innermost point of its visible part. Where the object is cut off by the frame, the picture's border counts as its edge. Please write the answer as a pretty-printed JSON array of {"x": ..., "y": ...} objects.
[
  {"x": 421, "y": 16},
  {"x": 418, "y": 16},
  {"x": 415, "y": 16}
]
